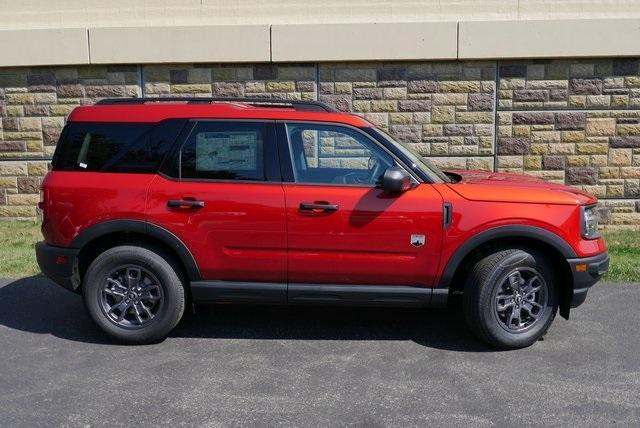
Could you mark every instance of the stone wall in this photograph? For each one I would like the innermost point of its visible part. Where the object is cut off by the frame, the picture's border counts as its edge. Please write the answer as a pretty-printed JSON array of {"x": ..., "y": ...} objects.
[
  {"x": 590, "y": 149},
  {"x": 568, "y": 121},
  {"x": 443, "y": 110},
  {"x": 575, "y": 122},
  {"x": 264, "y": 81}
]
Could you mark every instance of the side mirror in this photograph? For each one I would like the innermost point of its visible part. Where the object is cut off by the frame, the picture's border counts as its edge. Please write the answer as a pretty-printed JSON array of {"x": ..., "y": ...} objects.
[{"x": 396, "y": 180}]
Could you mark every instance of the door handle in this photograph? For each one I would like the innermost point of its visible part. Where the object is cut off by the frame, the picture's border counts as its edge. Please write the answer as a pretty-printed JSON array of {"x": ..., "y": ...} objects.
[
  {"x": 318, "y": 207},
  {"x": 184, "y": 203}
]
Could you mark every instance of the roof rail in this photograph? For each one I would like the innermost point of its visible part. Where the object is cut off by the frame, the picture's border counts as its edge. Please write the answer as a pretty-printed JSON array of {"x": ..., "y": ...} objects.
[{"x": 262, "y": 102}]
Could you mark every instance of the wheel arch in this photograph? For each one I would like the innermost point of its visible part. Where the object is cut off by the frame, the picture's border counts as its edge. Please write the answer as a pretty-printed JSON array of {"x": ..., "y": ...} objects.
[
  {"x": 550, "y": 244},
  {"x": 113, "y": 232}
]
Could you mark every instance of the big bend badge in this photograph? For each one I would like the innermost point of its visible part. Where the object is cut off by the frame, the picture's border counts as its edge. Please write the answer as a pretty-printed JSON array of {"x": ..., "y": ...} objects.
[{"x": 417, "y": 240}]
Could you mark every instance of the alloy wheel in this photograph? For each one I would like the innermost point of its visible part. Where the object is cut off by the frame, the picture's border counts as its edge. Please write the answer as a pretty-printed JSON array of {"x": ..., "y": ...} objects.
[
  {"x": 520, "y": 300},
  {"x": 131, "y": 297}
]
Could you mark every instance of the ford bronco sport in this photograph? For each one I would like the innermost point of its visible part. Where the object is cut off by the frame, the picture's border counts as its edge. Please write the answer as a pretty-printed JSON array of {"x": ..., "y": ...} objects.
[{"x": 152, "y": 204}]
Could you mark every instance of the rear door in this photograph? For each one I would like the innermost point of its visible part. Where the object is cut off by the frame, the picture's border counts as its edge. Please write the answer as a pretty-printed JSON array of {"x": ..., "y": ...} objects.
[
  {"x": 221, "y": 194},
  {"x": 342, "y": 227}
]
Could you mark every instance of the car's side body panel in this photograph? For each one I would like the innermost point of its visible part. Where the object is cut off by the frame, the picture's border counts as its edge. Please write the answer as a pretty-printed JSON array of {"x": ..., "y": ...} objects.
[
  {"x": 471, "y": 218},
  {"x": 239, "y": 234},
  {"x": 75, "y": 201},
  {"x": 373, "y": 237}
]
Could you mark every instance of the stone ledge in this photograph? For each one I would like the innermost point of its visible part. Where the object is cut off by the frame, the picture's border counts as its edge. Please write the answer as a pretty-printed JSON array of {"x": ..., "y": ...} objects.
[
  {"x": 43, "y": 47},
  {"x": 324, "y": 42},
  {"x": 548, "y": 38},
  {"x": 360, "y": 41},
  {"x": 221, "y": 43}
]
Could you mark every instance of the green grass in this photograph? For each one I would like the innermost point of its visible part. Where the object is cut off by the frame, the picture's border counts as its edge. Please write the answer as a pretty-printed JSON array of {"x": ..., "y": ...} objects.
[
  {"x": 624, "y": 249},
  {"x": 17, "y": 254}
]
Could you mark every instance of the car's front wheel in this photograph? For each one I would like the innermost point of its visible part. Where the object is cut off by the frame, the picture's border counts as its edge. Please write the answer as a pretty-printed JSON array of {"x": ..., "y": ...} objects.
[
  {"x": 510, "y": 298},
  {"x": 134, "y": 294}
]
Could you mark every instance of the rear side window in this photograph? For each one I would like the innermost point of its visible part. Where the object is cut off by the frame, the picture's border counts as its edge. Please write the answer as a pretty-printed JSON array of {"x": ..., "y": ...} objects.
[
  {"x": 225, "y": 151},
  {"x": 115, "y": 147}
]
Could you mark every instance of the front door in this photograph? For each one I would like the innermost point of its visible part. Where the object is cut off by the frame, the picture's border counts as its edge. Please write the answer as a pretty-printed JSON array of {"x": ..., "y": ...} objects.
[
  {"x": 342, "y": 228},
  {"x": 223, "y": 197}
]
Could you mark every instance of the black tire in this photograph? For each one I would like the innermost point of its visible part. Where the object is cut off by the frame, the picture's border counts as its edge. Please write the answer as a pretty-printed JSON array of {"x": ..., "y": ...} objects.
[
  {"x": 489, "y": 314},
  {"x": 167, "y": 298}
]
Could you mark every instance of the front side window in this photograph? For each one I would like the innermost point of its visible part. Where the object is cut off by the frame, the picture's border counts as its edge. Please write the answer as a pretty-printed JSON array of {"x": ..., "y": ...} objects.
[
  {"x": 225, "y": 151},
  {"x": 334, "y": 154}
]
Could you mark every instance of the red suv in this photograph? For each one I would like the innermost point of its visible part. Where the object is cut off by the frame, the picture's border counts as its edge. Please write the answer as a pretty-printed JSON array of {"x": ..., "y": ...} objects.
[{"x": 151, "y": 204}]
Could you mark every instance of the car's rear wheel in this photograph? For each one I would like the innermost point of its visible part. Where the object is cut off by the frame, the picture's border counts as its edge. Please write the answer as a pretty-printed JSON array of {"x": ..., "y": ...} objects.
[
  {"x": 510, "y": 298},
  {"x": 134, "y": 294}
]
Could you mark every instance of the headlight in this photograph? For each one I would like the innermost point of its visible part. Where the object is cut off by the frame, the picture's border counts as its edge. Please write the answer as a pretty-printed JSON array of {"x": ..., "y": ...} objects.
[{"x": 589, "y": 222}]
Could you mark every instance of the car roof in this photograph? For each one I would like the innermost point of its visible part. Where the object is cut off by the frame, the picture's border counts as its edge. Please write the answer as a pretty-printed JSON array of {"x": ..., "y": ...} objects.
[{"x": 156, "y": 111}]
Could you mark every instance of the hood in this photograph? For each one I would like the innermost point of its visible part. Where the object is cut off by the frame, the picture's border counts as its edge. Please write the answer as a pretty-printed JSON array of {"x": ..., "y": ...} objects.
[{"x": 501, "y": 187}]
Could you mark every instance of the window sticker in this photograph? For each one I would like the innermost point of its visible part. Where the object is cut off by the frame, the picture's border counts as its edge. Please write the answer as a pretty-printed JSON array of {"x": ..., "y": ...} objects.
[{"x": 225, "y": 151}]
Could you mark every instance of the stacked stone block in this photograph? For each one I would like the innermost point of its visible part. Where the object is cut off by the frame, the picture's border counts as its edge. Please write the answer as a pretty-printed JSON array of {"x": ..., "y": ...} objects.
[
  {"x": 598, "y": 151},
  {"x": 569, "y": 84},
  {"x": 260, "y": 81}
]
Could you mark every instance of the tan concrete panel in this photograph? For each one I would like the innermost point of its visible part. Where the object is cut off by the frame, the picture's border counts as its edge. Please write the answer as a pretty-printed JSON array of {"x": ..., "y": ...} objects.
[
  {"x": 222, "y": 43},
  {"x": 559, "y": 38},
  {"x": 578, "y": 9},
  {"x": 127, "y": 13},
  {"x": 383, "y": 41},
  {"x": 43, "y": 47}
]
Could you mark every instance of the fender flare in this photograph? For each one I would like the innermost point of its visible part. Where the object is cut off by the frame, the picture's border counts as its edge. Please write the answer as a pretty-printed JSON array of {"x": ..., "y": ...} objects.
[
  {"x": 144, "y": 228},
  {"x": 516, "y": 231}
]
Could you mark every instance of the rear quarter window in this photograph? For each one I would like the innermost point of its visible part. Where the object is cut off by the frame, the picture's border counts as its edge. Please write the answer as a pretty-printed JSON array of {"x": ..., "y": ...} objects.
[{"x": 115, "y": 147}]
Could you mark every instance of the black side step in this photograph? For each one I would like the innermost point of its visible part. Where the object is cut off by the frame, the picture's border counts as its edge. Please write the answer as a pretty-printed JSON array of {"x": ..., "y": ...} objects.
[
  {"x": 238, "y": 292},
  {"x": 365, "y": 295},
  {"x": 316, "y": 294}
]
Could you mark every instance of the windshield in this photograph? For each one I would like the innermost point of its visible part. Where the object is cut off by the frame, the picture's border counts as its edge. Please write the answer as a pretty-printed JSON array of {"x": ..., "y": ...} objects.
[{"x": 425, "y": 165}]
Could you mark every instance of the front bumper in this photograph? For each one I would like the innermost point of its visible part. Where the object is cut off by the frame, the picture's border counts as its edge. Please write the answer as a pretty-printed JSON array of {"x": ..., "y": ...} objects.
[
  {"x": 59, "y": 264},
  {"x": 586, "y": 272}
]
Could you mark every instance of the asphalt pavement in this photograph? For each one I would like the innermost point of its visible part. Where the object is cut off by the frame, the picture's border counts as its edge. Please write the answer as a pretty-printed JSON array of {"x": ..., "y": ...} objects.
[{"x": 276, "y": 366}]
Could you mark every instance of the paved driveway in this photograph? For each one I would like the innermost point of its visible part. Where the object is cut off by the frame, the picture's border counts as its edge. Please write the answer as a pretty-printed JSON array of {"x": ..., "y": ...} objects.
[{"x": 305, "y": 366}]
